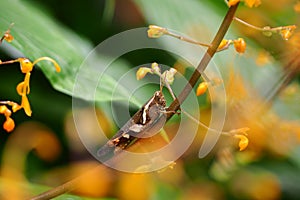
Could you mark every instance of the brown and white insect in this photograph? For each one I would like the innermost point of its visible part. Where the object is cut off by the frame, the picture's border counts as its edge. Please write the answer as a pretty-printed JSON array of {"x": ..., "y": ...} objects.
[{"x": 146, "y": 122}]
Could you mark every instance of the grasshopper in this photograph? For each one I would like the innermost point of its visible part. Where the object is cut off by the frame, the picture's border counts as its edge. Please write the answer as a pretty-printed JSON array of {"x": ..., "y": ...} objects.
[{"x": 147, "y": 121}]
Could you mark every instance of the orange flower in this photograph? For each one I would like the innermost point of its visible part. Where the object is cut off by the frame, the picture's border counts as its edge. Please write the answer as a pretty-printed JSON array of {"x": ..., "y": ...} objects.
[
  {"x": 239, "y": 45},
  {"x": 26, "y": 105},
  {"x": 23, "y": 89},
  {"x": 201, "y": 89},
  {"x": 25, "y": 65},
  {"x": 15, "y": 107},
  {"x": 232, "y": 2},
  {"x": 224, "y": 44},
  {"x": 287, "y": 31},
  {"x": 9, "y": 124},
  {"x": 243, "y": 141},
  {"x": 251, "y": 3},
  {"x": 2, "y": 109},
  {"x": 241, "y": 134},
  {"x": 7, "y": 36}
]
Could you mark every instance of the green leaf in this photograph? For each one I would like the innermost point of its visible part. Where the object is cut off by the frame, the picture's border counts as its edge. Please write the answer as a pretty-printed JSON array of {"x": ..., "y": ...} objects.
[{"x": 37, "y": 35}]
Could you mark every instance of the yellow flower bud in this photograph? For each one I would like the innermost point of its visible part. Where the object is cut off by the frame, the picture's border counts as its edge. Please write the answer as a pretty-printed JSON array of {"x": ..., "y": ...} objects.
[
  {"x": 201, "y": 89},
  {"x": 239, "y": 45},
  {"x": 26, "y": 65},
  {"x": 141, "y": 73},
  {"x": 243, "y": 141},
  {"x": 3, "y": 109},
  {"x": 156, "y": 31},
  {"x": 287, "y": 31},
  {"x": 8, "y": 37},
  {"x": 251, "y": 3},
  {"x": 9, "y": 124},
  {"x": 232, "y": 2},
  {"x": 224, "y": 44}
]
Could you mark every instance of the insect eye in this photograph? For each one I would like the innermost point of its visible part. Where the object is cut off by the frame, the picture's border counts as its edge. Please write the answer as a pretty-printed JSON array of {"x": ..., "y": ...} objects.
[{"x": 163, "y": 102}]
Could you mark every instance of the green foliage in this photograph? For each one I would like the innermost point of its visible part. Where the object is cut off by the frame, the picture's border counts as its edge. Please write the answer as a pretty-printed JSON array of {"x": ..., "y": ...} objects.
[{"x": 37, "y": 34}]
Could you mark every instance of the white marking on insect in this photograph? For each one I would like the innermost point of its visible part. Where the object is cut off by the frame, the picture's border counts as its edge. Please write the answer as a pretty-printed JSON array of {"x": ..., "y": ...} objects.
[
  {"x": 126, "y": 135},
  {"x": 136, "y": 128},
  {"x": 146, "y": 108}
]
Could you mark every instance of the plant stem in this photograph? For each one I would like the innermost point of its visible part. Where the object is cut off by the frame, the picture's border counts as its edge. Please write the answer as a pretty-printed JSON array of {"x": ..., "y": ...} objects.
[
  {"x": 205, "y": 60},
  {"x": 8, "y": 62},
  {"x": 66, "y": 187},
  {"x": 264, "y": 29},
  {"x": 186, "y": 39},
  {"x": 247, "y": 24},
  {"x": 175, "y": 105}
]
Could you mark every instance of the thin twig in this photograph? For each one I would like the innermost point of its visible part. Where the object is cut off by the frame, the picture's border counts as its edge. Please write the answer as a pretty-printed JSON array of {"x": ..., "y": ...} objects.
[
  {"x": 205, "y": 60},
  {"x": 175, "y": 105},
  {"x": 66, "y": 187},
  {"x": 187, "y": 39},
  {"x": 264, "y": 29},
  {"x": 8, "y": 62}
]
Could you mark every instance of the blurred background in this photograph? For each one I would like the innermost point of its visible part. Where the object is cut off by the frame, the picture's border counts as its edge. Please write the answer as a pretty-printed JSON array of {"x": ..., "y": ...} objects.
[{"x": 262, "y": 88}]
